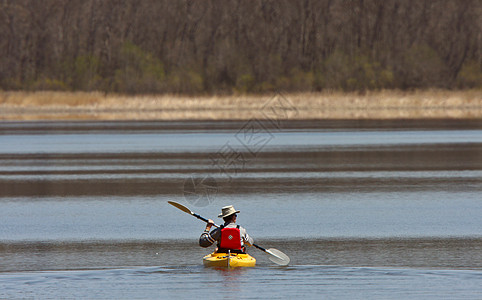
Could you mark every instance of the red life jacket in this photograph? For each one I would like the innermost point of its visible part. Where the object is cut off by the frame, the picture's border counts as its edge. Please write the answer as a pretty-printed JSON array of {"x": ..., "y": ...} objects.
[{"x": 230, "y": 238}]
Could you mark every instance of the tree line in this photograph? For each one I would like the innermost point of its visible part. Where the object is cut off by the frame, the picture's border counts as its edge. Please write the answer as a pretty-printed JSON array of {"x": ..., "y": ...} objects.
[{"x": 249, "y": 46}]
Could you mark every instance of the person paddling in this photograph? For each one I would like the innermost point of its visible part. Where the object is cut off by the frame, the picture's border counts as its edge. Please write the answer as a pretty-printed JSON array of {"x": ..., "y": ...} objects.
[{"x": 228, "y": 236}]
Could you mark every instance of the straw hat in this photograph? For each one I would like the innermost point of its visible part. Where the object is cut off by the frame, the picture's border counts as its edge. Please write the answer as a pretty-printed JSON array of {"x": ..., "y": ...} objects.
[{"x": 227, "y": 211}]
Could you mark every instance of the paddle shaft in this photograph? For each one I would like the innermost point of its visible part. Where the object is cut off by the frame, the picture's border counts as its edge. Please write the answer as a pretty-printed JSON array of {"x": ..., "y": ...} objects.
[
  {"x": 260, "y": 248},
  {"x": 202, "y": 219}
]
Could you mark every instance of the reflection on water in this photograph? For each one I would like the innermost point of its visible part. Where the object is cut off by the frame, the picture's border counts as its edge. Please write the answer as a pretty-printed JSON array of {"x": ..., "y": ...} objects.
[
  {"x": 307, "y": 282},
  {"x": 454, "y": 166},
  {"x": 148, "y": 158},
  {"x": 78, "y": 198},
  {"x": 305, "y": 214},
  {"x": 428, "y": 253}
]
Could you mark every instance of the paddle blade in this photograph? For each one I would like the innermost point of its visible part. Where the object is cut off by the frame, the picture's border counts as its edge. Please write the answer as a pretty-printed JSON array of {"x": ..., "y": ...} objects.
[
  {"x": 278, "y": 257},
  {"x": 181, "y": 207}
]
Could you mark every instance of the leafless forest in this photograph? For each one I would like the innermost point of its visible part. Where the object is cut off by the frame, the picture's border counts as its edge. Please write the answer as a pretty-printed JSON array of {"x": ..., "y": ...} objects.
[{"x": 233, "y": 46}]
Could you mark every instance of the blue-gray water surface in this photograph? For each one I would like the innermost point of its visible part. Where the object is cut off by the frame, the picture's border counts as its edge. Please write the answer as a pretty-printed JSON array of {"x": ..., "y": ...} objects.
[{"x": 363, "y": 212}]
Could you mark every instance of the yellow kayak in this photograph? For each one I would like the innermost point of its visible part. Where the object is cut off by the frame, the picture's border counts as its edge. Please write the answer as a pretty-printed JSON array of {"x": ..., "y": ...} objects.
[{"x": 232, "y": 261}]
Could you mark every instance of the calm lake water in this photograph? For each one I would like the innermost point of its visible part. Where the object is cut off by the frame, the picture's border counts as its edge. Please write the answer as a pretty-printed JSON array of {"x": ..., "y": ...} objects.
[{"x": 364, "y": 209}]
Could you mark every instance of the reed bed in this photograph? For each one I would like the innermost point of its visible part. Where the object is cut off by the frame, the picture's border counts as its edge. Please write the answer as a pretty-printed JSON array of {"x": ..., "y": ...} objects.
[{"x": 386, "y": 104}]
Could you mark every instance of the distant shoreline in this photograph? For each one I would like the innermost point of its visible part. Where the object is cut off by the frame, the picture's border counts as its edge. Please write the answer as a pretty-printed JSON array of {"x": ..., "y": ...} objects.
[{"x": 379, "y": 105}]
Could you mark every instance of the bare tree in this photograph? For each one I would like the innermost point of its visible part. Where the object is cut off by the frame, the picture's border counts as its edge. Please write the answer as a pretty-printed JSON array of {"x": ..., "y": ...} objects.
[{"x": 221, "y": 46}]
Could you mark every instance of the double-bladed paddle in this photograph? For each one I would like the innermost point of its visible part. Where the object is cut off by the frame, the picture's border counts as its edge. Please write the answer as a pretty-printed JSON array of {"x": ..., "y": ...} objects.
[{"x": 276, "y": 256}]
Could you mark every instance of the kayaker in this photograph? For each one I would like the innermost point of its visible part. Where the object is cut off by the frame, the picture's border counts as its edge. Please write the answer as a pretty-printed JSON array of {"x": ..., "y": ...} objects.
[{"x": 228, "y": 236}]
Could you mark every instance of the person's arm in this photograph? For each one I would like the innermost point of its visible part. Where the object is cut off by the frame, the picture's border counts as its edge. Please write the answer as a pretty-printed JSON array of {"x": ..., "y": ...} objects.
[
  {"x": 207, "y": 239},
  {"x": 246, "y": 238}
]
